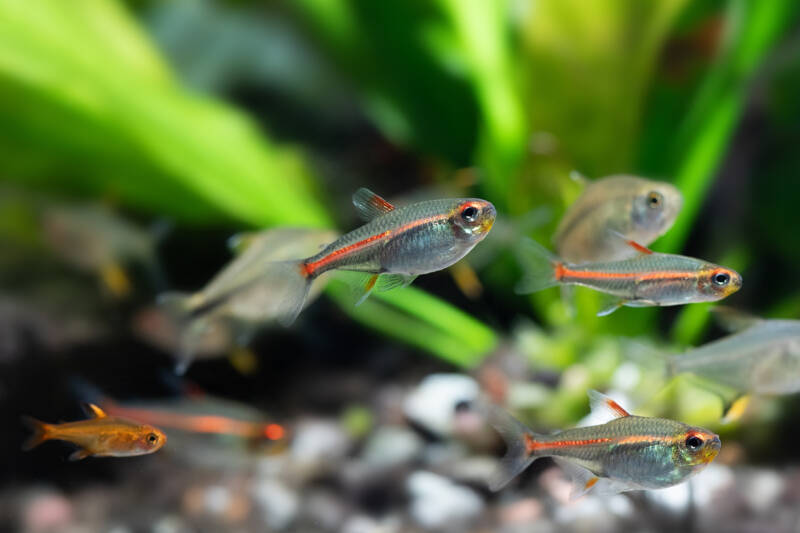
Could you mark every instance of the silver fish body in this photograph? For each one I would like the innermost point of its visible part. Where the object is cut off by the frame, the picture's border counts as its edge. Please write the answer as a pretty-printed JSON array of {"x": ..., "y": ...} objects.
[
  {"x": 417, "y": 239},
  {"x": 762, "y": 359},
  {"x": 637, "y": 208}
]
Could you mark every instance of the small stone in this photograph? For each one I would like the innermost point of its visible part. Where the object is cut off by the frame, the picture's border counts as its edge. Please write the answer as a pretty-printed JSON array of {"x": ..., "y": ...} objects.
[
  {"x": 437, "y": 502},
  {"x": 433, "y": 403},
  {"x": 278, "y": 503},
  {"x": 391, "y": 446}
]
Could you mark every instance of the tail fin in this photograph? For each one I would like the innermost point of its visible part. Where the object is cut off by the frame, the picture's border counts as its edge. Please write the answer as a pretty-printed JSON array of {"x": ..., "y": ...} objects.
[
  {"x": 518, "y": 455},
  {"x": 40, "y": 432},
  {"x": 539, "y": 265},
  {"x": 291, "y": 289},
  {"x": 180, "y": 307}
]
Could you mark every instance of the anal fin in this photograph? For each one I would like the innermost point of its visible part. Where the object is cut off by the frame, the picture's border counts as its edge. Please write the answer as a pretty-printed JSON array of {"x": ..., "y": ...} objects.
[
  {"x": 387, "y": 282},
  {"x": 81, "y": 453},
  {"x": 367, "y": 288},
  {"x": 584, "y": 481},
  {"x": 610, "y": 304}
]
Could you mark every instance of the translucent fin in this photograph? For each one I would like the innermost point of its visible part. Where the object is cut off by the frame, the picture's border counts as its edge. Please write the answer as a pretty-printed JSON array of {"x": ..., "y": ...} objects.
[
  {"x": 179, "y": 308},
  {"x": 367, "y": 288},
  {"x": 92, "y": 411},
  {"x": 518, "y": 439},
  {"x": 584, "y": 480},
  {"x": 539, "y": 265},
  {"x": 369, "y": 205},
  {"x": 733, "y": 410},
  {"x": 387, "y": 282},
  {"x": 733, "y": 320},
  {"x": 39, "y": 432},
  {"x": 178, "y": 305},
  {"x": 294, "y": 287},
  {"x": 77, "y": 455},
  {"x": 610, "y": 304},
  {"x": 602, "y": 404}
]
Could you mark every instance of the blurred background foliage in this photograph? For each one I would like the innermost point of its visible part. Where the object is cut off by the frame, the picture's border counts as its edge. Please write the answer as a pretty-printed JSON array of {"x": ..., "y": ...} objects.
[{"x": 240, "y": 115}]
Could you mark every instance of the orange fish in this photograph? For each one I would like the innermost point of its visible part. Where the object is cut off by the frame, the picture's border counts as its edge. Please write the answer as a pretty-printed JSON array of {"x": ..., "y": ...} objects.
[{"x": 100, "y": 435}]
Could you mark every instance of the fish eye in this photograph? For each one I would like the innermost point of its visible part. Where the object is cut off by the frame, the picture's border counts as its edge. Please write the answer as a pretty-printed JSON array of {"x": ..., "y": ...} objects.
[
  {"x": 693, "y": 442},
  {"x": 152, "y": 438},
  {"x": 721, "y": 278},
  {"x": 470, "y": 214},
  {"x": 654, "y": 199}
]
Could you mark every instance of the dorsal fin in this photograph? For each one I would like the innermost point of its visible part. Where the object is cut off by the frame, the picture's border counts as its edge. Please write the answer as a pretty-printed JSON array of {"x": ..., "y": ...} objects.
[
  {"x": 601, "y": 403},
  {"x": 93, "y": 411},
  {"x": 369, "y": 205},
  {"x": 633, "y": 244}
]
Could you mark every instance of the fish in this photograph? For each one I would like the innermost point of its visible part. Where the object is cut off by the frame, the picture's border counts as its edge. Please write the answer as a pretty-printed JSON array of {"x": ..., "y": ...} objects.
[
  {"x": 639, "y": 209},
  {"x": 392, "y": 249},
  {"x": 100, "y": 435},
  {"x": 763, "y": 358},
  {"x": 94, "y": 239},
  {"x": 206, "y": 415},
  {"x": 232, "y": 307},
  {"x": 648, "y": 279},
  {"x": 626, "y": 453}
]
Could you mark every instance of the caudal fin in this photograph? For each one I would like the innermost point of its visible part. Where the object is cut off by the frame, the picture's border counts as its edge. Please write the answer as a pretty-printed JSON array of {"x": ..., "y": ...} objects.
[
  {"x": 539, "y": 265},
  {"x": 518, "y": 439},
  {"x": 39, "y": 432},
  {"x": 290, "y": 289},
  {"x": 180, "y": 308}
]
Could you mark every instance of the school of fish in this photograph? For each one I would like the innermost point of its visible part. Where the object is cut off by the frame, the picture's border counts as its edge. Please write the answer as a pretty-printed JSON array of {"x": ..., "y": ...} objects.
[{"x": 601, "y": 243}]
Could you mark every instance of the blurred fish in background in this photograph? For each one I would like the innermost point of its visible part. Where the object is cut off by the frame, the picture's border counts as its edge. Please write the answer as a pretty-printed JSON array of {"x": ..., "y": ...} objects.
[
  {"x": 638, "y": 209},
  {"x": 94, "y": 239},
  {"x": 239, "y": 300}
]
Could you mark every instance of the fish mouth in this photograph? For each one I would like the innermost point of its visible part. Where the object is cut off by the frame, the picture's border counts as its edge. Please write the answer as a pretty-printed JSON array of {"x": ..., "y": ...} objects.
[
  {"x": 489, "y": 216},
  {"x": 711, "y": 450}
]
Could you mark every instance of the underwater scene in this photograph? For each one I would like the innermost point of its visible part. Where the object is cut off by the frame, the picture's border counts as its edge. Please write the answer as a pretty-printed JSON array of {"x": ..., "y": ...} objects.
[{"x": 402, "y": 266}]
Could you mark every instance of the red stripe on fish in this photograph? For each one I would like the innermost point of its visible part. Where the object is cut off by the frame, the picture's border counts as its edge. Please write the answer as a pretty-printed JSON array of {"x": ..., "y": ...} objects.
[
  {"x": 584, "y": 274},
  {"x": 538, "y": 447},
  {"x": 311, "y": 268},
  {"x": 316, "y": 265}
]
